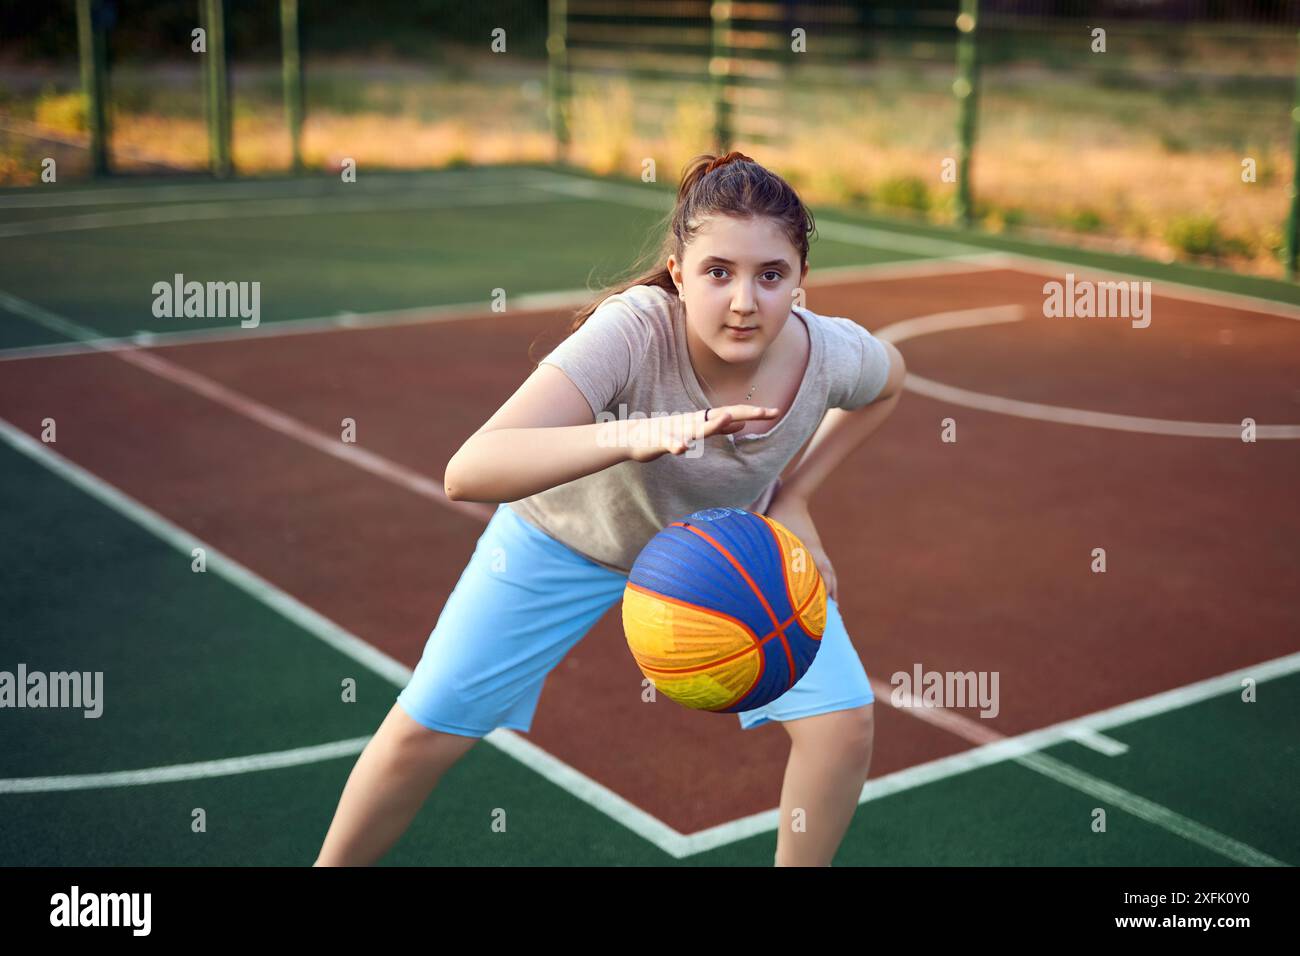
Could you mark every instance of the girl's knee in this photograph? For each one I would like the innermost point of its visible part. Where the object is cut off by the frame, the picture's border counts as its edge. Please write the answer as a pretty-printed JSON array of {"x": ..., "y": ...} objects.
[
  {"x": 411, "y": 737},
  {"x": 862, "y": 736},
  {"x": 845, "y": 734},
  {"x": 855, "y": 734}
]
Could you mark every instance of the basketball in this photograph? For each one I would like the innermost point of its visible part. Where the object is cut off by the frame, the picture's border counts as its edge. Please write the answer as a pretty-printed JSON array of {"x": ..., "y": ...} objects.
[{"x": 724, "y": 610}]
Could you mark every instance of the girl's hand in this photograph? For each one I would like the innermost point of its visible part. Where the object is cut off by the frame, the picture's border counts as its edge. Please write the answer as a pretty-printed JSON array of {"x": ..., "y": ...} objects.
[
  {"x": 649, "y": 438},
  {"x": 792, "y": 512}
]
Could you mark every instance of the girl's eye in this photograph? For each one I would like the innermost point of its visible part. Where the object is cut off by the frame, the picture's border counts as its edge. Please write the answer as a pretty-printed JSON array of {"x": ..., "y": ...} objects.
[{"x": 776, "y": 276}]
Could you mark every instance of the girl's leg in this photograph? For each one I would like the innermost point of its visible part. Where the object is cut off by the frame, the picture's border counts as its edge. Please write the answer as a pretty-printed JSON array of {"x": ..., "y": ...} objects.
[
  {"x": 522, "y": 602},
  {"x": 390, "y": 782},
  {"x": 830, "y": 755}
]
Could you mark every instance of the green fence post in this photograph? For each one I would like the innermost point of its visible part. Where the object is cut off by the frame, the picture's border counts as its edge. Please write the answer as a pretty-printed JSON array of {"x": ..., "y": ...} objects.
[
  {"x": 965, "y": 87},
  {"x": 1293, "y": 218},
  {"x": 557, "y": 74},
  {"x": 292, "y": 78},
  {"x": 92, "y": 42},
  {"x": 720, "y": 71},
  {"x": 218, "y": 88}
]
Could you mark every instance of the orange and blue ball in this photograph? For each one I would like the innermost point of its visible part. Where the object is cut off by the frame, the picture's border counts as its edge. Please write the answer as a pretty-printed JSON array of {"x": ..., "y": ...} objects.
[{"x": 724, "y": 610}]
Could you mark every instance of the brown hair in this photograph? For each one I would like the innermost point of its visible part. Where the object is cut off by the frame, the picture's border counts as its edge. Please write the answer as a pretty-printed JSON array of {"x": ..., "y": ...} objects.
[{"x": 730, "y": 185}]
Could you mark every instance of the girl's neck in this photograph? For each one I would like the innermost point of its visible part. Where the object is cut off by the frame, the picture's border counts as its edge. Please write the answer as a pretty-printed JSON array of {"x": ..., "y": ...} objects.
[{"x": 724, "y": 378}]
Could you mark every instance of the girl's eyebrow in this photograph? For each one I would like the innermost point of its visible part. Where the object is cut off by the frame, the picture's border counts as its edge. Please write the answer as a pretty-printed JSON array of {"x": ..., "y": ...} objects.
[{"x": 728, "y": 262}]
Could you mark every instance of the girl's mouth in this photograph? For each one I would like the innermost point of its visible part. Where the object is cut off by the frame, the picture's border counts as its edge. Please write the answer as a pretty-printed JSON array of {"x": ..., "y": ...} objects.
[{"x": 742, "y": 331}]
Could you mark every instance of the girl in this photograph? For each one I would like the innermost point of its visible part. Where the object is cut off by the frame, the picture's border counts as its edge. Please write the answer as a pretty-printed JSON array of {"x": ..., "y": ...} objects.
[{"x": 702, "y": 335}]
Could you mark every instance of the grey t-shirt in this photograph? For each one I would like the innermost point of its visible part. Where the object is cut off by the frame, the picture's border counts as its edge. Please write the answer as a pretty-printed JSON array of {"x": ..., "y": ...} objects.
[{"x": 629, "y": 357}]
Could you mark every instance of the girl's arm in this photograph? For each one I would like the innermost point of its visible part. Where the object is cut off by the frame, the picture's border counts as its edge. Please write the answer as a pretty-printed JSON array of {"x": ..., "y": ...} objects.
[
  {"x": 842, "y": 431},
  {"x": 545, "y": 435},
  {"x": 838, "y": 434}
]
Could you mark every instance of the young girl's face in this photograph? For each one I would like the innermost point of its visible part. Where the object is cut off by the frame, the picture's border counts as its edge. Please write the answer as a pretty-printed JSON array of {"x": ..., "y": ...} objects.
[{"x": 738, "y": 274}]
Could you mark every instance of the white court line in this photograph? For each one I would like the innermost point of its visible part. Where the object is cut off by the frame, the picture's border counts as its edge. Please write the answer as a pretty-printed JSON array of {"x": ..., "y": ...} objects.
[
  {"x": 248, "y": 581},
  {"x": 1155, "y": 813},
  {"x": 883, "y": 237},
  {"x": 422, "y": 315},
  {"x": 1107, "y": 746},
  {"x": 257, "y": 411},
  {"x": 873, "y": 238},
  {"x": 174, "y": 773},
  {"x": 1074, "y": 416},
  {"x": 1061, "y": 415},
  {"x": 877, "y": 236},
  {"x": 248, "y": 209},
  {"x": 996, "y": 751},
  {"x": 1019, "y": 262},
  {"x": 553, "y": 769},
  {"x": 44, "y": 197},
  {"x": 277, "y": 421},
  {"x": 1150, "y": 811},
  {"x": 561, "y": 774},
  {"x": 851, "y": 233}
]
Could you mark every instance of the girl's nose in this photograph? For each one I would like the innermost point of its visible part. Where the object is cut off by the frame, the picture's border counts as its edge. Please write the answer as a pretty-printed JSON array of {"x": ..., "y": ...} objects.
[{"x": 743, "y": 304}]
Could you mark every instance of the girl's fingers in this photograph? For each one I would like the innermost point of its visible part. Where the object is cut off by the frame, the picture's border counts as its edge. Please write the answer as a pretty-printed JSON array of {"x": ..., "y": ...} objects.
[
  {"x": 752, "y": 411},
  {"x": 724, "y": 420},
  {"x": 740, "y": 413}
]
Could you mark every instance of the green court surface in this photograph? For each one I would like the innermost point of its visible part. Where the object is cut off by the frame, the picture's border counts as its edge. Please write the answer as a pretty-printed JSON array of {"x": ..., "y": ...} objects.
[{"x": 414, "y": 240}]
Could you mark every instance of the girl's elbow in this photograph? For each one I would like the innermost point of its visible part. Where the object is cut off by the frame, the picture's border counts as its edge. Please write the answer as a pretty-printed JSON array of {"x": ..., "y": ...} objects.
[
  {"x": 451, "y": 481},
  {"x": 464, "y": 480},
  {"x": 897, "y": 372}
]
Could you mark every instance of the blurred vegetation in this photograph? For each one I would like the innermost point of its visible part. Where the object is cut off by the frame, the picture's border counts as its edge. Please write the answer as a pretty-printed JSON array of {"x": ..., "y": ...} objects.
[{"x": 1137, "y": 149}]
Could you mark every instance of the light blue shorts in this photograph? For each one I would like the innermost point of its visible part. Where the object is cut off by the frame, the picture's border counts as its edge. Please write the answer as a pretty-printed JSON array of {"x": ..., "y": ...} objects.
[{"x": 524, "y": 600}]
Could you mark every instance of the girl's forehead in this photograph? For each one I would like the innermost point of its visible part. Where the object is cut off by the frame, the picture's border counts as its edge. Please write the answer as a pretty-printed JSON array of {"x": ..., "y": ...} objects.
[{"x": 741, "y": 241}]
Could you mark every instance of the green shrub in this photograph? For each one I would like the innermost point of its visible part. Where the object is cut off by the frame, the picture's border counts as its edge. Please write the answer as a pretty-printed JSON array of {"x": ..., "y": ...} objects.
[
  {"x": 1239, "y": 246},
  {"x": 1082, "y": 219},
  {"x": 904, "y": 192},
  {"x": 847, "y": 190},
  {"x": 1197, "y": 235},
  {"x": 1173, "y": 143}
]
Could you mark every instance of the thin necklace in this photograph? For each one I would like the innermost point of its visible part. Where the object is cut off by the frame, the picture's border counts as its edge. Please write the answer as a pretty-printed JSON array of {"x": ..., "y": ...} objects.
[{"x": 748, "y": 395}]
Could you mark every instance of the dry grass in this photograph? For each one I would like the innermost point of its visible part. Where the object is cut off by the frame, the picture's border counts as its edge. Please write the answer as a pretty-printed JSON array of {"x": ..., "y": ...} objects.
[{"x": 1127, "y": 171}]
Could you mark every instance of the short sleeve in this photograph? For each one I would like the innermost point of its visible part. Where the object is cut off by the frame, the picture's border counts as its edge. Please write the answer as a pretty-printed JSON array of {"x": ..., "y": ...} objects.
[
  {"x": 869, "y": 373},
  {"x": 600, "y": 356}
]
